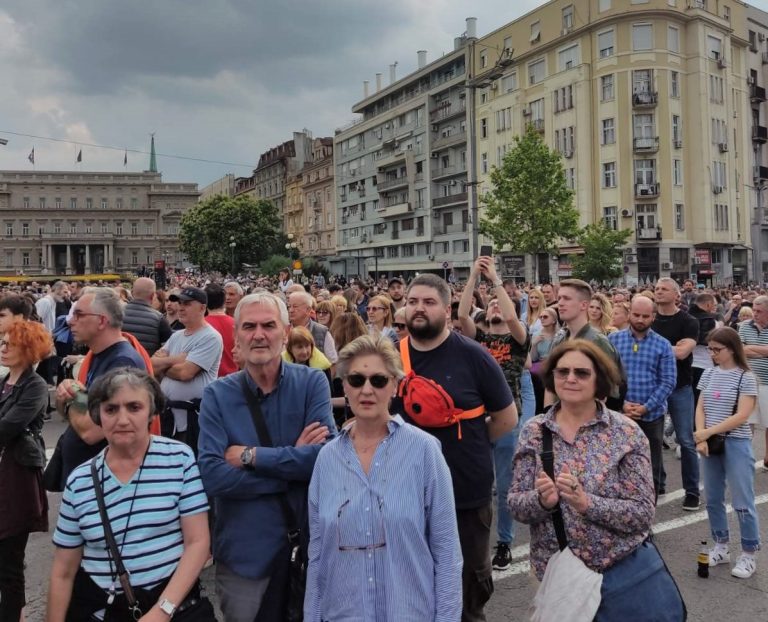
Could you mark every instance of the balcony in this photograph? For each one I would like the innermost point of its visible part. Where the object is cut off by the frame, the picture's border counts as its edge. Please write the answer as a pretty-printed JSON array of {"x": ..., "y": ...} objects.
[
  {"x": 391, "y": 158},
  {"x": 647, "y": 191},
  {"x": 760, "y": 173},
  {"x": 448, "y": 111},
  {"x": 449, "y": 229},
  {"x": 648, "y": 235},
  {"x": 756, "y": 94},
  {"x": 389, "y": 184},
  {"x": 448, "y": 171},
  {"x": 461, "y": 197},
  {"x": 396, "y": 209},
  {"x": 450, "y": 140},
  {"x": 759, "y": 134},
  {"x": 646, "y": 145},
  {"x": 645, "y": 99}
]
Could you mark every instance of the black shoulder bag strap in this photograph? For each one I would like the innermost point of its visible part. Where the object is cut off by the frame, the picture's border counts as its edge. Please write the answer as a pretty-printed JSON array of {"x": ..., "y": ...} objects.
[
  {"x": 548, "y": 461},
  {"x": 265, "y": 439},
  {"x": 122, "y": 573}
]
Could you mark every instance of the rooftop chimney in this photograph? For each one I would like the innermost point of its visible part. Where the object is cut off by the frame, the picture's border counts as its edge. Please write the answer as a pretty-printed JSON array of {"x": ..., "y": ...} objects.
[
  {"x": 471, "y": 27},
  {"x": 378, "y": 82},
  {"x": 422, "y": 56},
  {"x": 393, "y": 73},
  {"x": 365, "y": 88}
]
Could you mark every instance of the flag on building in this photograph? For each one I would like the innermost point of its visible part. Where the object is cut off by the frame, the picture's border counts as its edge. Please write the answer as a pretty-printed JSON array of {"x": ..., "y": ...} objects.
[
  {"x": 31, "y": 156},
  {"x": 79, "y": 156}
]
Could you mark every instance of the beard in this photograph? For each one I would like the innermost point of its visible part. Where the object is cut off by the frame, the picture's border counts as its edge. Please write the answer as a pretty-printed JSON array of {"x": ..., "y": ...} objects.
[{"x": 426, "y": 331}]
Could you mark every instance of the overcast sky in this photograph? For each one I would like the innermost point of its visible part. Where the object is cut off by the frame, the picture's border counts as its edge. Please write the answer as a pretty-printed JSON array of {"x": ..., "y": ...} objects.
[{"x": 214, "y": 79}]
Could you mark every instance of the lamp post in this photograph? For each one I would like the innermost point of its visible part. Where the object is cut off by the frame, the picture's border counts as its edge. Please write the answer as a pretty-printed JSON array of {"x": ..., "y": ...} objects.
[
  {"x": 232, "y": 245},
  {"x": 291, "y": 246}
]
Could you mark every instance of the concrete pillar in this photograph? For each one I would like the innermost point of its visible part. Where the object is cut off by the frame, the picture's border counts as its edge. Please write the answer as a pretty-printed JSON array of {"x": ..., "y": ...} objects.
[
  {"x": 87, "y": 259},
  {"x": 106, "y": 258},
  {"x": 49, "y": 257},
  {"x": 69, "y": 260}
]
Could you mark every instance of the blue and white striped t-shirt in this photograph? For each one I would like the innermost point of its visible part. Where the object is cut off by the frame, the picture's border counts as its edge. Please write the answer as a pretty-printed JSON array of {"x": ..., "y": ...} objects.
[
  {"x": 720, "y": 390},
  {"x": 169, "y": 488}
]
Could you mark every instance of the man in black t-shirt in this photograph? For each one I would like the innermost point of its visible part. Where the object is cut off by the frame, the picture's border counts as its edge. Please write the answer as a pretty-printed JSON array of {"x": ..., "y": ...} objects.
[
  {"x": 682, "y": 331},
  {"x": 473, "y": 379}
]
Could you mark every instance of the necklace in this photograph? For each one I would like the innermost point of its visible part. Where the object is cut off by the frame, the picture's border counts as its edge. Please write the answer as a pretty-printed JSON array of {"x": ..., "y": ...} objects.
[
  {"x": 364, "y": 449},
  {"x": 113, "y": 570}
]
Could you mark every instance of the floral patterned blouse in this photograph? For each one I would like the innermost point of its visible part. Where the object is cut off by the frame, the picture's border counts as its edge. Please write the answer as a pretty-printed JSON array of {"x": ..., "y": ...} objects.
[{"x": 610, "y": 457}]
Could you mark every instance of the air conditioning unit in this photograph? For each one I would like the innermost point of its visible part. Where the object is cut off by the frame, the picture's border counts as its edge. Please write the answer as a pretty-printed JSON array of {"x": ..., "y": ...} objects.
[
  {"x": 760, "y": 36},
  {"x": 626, "y": 213},
  {"x": 645, "y": 190},
  {"x": 717, "y": 189},
  {"x": 568, "y": 153},
  {"x": 723, "y": 147},
  {"x": 526, "y": 112},
  {"x": 494, "y": 85},
  {"x": 678, "y": 144},
  {"x": 630, "y": 258},
  {"x": 434, "y": 155},
  {"x": 721, "y": 64},
  {"x": 666, "y": 265}
]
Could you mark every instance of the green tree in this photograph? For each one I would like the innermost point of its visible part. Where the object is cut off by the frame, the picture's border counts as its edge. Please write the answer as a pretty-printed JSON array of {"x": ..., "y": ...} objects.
[
  {"x": 601, "y": 260},
  {"x": 209, "y": 228},
  {"x": 274, "y": 263},
  {"x": 530, "y": 207}
]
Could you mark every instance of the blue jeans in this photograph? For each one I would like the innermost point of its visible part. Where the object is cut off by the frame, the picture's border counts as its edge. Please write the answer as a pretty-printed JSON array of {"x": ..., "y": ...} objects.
[
  {"x": 736, "y": 468},
  {"x": 680, "y": 405},
  {"x": 503, "y": 454}
]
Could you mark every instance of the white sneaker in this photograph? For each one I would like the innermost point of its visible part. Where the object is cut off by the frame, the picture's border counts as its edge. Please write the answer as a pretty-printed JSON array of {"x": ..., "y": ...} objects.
[
  {"x": 719, "y": 555},
  {"x": 745, "y": 566}
]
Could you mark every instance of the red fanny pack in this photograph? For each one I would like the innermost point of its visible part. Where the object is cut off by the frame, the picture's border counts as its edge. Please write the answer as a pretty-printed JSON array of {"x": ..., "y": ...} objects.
[{"x": 426, "y": 402}]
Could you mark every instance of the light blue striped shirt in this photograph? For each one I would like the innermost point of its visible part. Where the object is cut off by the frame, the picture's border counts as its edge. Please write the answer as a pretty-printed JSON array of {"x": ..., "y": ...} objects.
[
  {"x": 169, "y": 488},
  {"x": 383, "y": 546}
]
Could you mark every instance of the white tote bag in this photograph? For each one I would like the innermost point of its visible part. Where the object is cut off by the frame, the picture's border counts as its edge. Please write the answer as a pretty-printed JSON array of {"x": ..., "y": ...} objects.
[{"x": 569, "y": 590}]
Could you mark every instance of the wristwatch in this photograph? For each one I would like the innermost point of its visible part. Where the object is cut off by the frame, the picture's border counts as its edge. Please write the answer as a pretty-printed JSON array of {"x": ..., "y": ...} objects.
[
  {"x": 498, "y": 283},
  {"x": 167, "y": 607},
  {"x": 246, "y": 458}
]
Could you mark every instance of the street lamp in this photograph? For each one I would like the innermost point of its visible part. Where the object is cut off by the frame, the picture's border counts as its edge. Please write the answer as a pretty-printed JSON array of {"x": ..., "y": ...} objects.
[
  {"x": 232, "y": 245},
  {"x": 291, "y": 246}
]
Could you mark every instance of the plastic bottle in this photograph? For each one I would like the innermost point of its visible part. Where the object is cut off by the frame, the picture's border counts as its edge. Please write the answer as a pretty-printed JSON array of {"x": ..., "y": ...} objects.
[{"x": 703, "y": 560}]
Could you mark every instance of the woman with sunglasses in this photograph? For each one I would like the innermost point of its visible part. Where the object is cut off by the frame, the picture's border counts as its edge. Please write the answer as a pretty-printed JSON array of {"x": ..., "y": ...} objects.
[
  {"x": 401, "y": 328},
  {"x": 728, "y": 394},
  {"x": 325, "y": 313},
  {"x": 602, "y": 485},
  {"x": 384, "y": 542},
  {"x": 380, "y": 318},
  {"x": 23, "y": 503}
]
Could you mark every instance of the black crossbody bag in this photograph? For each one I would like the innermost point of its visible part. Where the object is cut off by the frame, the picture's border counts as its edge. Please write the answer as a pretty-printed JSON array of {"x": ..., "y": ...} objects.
[
  {"x": 297, "y": 569},
  {"x": 716, "y": 442}
]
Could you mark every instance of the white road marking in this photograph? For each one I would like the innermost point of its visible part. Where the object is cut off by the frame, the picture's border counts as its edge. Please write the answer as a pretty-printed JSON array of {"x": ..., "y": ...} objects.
[{"x": 524, "y": 566}]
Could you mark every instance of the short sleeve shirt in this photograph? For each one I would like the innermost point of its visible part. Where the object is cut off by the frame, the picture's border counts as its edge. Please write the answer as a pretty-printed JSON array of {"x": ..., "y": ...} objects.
[
  {"x": 203, "y": 348},
  {"x": 510, "y": 355},
  {"x": 720, "y": 390},
  {"x": 674, "y": 328}
]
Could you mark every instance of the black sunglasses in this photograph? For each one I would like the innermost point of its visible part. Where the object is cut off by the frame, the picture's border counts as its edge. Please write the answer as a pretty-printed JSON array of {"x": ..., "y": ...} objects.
[
  {"x": 378, "y": 381},
  {"x": 398, "y": 326}
]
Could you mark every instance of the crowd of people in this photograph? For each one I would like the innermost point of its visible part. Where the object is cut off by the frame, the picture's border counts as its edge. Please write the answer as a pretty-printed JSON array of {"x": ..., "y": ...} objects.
[{"x": 376, "y": 427}]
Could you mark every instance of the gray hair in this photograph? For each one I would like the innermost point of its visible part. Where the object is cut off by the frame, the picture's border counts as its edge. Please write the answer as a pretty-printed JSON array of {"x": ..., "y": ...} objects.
[
  {"x": 760, "y": 300},
  {"x": 366, "y": 345},
  {"x": 263, "y": 298},
  {"x": 105, "y": 387},
  {"x": 236, "y": 286},
  {"x": 671, "y": 282},
  {"x": 58, "y": 286},
  {"x": 108, "y": 302},
  {"x": 435, "y": 282},
  {"x": 306, "y": 297}
]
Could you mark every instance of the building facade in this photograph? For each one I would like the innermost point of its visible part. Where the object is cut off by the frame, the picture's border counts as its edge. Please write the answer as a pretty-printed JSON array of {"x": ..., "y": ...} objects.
[
  {"x": 66, "y": 222},
  {"x": 224, "y": 186},
  {"x": 650, "y": 104},
  {"x": 275, "y": 166},
  {"x": 401, "y": 173},
  {"x": 319, "y": 202}
]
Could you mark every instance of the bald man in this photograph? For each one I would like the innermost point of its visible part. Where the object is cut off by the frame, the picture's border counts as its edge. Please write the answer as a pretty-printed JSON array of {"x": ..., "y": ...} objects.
[{"x": 143, "y": 321}]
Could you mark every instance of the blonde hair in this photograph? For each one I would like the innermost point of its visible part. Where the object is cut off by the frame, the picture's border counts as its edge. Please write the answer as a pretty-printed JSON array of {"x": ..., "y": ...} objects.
[
  {"x": 338, "y": 300},
  {"x": 607, "y": 313},
  {"x": 366, "y": 345},
  {"x": 533, "y": 314},
  {"x": 387, "y": 304},
  {"x": 746, "y": 313}
]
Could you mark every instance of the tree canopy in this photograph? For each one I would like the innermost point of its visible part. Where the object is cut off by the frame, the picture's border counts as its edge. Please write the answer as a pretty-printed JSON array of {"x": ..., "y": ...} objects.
[
  {"x": 209, "y": 228},
  {"x": 529, "y": 208},
  {"x": 601, "y": 260}
]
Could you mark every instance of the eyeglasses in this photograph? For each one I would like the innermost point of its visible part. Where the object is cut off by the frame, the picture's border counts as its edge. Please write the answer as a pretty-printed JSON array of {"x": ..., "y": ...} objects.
[
  {"x": 581, "y": 373},
  {"x": 715, "y": 349},
  {"x": 344, "y": 546},
  {"x": 399, "y": 326},
  {"x": 5, "y": 344},
  {"x": 321, "y": 312},
  {"x": 378, "y": 381},
  {"x": 376, "y": 309},
  {"x": 77, "y": 314}
]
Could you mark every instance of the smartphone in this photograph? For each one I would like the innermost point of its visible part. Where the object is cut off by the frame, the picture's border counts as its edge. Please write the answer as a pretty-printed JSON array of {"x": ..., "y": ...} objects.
[{"x": 486, "y": 250}]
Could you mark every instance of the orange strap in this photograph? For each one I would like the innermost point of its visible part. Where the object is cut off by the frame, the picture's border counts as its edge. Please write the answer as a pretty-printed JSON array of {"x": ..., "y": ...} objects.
[{"x": 405, "y": 355}]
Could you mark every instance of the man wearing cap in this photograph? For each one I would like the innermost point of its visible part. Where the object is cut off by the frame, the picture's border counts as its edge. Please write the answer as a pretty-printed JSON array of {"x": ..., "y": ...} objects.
[
  {"x": 190, "y": 359},
  {"x": 396, "y": 291}
]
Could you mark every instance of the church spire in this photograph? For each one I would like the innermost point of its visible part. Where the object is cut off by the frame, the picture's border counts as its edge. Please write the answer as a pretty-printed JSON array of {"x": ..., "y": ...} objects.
[{"x": 152, "y": 157}]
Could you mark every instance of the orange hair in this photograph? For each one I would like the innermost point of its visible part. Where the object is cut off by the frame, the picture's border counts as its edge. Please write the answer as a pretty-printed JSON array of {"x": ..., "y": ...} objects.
[{"x": 32, "y": 339}]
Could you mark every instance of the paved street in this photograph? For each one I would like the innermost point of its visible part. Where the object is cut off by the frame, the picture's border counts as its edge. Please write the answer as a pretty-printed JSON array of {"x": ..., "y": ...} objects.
[{"x": 721, "y": 597}]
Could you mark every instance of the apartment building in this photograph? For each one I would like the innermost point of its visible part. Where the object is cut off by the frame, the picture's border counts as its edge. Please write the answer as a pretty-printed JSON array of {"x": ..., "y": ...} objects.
[
  {"x": 72, "y": 222},
  {"x": 651, "y": 106},
  {"x": 224, "y": 186},
  {"x": 318, "y": 238},
  {"x": 401, "y": 172},
  {"x": 275, "y": 166}
]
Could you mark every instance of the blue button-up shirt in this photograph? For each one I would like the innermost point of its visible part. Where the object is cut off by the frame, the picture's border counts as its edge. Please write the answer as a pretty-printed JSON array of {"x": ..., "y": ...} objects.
[
  {"x": 650, "y": 367},
  {"x": 384, "y": 547}
]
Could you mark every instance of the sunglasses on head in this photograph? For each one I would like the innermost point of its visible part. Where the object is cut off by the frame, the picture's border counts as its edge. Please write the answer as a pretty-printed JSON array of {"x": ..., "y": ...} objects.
[
  {"x": 581, "y": 373},
  {"x": 378, "y": 381}
]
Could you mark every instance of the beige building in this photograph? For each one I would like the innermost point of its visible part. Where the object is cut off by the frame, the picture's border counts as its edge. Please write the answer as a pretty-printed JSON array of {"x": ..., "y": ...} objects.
[
  {"x": 650, "y": 104},
  {"x": 66, "y": 222},
  {"x": 224, "y": 186},
  {"x": 294, "y": 209},
  {"x": 275, "y": 166},
  {"x": 318, "y": 193}
]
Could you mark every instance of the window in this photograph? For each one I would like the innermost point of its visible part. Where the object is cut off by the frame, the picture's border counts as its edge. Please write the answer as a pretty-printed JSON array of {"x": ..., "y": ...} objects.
[
  {"x": 720, "y": 179},
  {"x": 646, "y": 216},
  {"x": 606, "y": 88},
  {"x": 563, "y": 98},
  {"x": 25, "y": 201},
  {"x": 719, "y": 132},
  {"x": 103, "y": 227},
  {"x": 484, "y": 128},
  {"x": 509, "y": 83},
  {"x": 134, "y": 203},
  {"x": 721, "y": 217},
  {"x": 461, "y": 246},
  {"x": 408, "y": 250},
  {"x": 642, "y": 81},
  {"x": 677, "y": 128},
  {"x": 677, "y": 172},
  {"x": 104, "y": 203},
  {"x": 503, "y": 119},
  {"x": 73, "y": 203},
  {"x": 674, "y": 89},
  {"x": 40, "y": 231},
  {"x": 568, "y": 17},
  {"x": 134, "y": 258},
  {"x": 643, "y": 126},
  {"x": 483, "y": 58},
  {"x": 57, "y": 202},
  {"x": 8, "y": 259},
  {"x": 118, "y": 204},
  {"x": 609, "y": 132},
  {"x": 642, "y": 37},
  {"x": 536, "y": 71},
  {"x": 88, "y": 228},
  {"x": 645, "y": 172},
  {"x": 570, "y": 178},
  {"x": 25, "y": 229},
  {"x": 42, "y": 202},
  {"x": 535, "y": 32},
  {"x": 118, "y": 228},
  {"x": 73, "y": 227},
  {"x": 25, "y": 258},
  {"x": 567, "y": 58},
  {"x": 537, "y": 110},
  {"x": 89, "y": 203},
  {"x": 753, "y": 40},
  {"x": 507, "y": 43},
  {"x": 484, "y": 163},
  {"x": 714, "y": 47},
  {"x": 716, "y": 90},
  {"x": 679, "y": 217},
  {"x": 673, "y": 39},
  {"x": 134, "y": 228},
  {"x": 57, "y": 227},
  {"x": 609, "y": 218},
  {"x": 392, "y": 251},
  {"x": 9, "y": 229},
  {"x": 609, "y": 174},
  {"x": 717, "y": 255},
  {"x": 605, "y": 43}
]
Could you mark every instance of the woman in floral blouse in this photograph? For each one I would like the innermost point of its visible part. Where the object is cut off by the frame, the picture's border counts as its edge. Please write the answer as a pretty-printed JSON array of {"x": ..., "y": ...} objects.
[{"x": 603, "y": 483}]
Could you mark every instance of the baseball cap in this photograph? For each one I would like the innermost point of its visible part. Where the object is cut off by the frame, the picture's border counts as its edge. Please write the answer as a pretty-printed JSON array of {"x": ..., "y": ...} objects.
[
  {"x": 394, "y": 280},
  {"x": 190, "y": 293}
]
